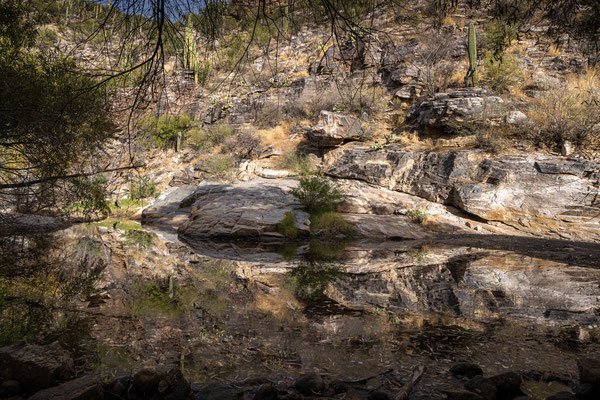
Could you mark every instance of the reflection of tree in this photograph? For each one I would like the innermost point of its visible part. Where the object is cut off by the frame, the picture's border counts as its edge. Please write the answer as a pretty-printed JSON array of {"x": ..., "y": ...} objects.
[
  {"x": 41, "y": 277},
  {"x": 310, "y": 279}
]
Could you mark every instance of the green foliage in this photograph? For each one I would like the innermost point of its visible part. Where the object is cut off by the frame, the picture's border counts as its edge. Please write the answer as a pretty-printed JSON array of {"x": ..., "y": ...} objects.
[
  {"x": 48, "y": 38},
  {"x": 222, "y": 166},
  {"x": 142, "y": 189},
  {"x": 472, "y": 48},
  {"x": 310, "y": 280},
  {"x": 318, "y": 194},
  {"x": 232, "y": 51},
  {"x": 325, "y": 250},
  {"x": 330, "y": 225},
  {"x": 286, "y": 226},
  {"x": 297, "y": 162},
  {"x": 498, "y": 37},
  {"x": 139, "y": 238},
  {"x": 218, "y": 133},
  {"x": 55, "y": 117},
  {"x": 163, "y": 131},
  {"x": 120, "y": 224},
  {"x": 90, "y": 196},
  {"x": 152, "y": 299},
  {"x": 417, "y": 215},
  {"x": 195, "y": 138},
  {"x": 501, "y": 74}
]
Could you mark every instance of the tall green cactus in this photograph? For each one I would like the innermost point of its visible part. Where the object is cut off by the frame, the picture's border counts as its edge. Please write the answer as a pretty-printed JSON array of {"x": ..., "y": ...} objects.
[
  {"x": 472, "y": 55},
  {"x": 190, "y": 54}
]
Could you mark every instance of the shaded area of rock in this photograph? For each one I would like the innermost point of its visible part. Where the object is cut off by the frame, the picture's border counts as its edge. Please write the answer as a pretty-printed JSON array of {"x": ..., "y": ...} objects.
[
  {"x": 468, "y": 370},
  {"x": 310, "y": 384},
  {"x": 482, "y": 386},
  {"x": 85, "y": 388},
  {"x": 35, "y": 366}
]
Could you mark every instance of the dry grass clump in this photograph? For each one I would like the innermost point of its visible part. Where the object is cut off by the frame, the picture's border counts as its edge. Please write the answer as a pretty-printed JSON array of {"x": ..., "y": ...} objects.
[
  {"x": 350, "y": 97},
  {"x": 568, "y": 113}
]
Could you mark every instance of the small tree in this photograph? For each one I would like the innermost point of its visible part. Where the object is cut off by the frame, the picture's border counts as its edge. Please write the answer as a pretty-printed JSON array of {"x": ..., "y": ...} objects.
[{"x": 318, "y": 194}]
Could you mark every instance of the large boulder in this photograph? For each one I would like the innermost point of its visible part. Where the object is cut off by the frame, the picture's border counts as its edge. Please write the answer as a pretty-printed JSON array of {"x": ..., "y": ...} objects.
[
  {"x": 457, "y": 105},
  {"x": 34, "y": 366},
  {"x": 249, "y": 210},
  {"x": 335, "y": 128},
  {"x": 535, "y": 193}
]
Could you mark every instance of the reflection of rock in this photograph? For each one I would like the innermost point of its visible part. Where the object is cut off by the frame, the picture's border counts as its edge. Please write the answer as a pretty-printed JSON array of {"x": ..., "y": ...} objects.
[
  {"x": 34, "y": 366},
  {"x": 533, "y": 193},
  {"x": 242, "y": 210},
  {"x": 479, "y": 287}
]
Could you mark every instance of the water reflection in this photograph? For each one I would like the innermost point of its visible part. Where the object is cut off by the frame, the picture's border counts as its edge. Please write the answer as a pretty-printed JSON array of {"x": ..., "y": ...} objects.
[{"x": 237, "y": 310}]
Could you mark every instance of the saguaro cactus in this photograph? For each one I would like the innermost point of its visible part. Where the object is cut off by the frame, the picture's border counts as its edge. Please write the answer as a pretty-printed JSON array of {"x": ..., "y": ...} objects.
[
  {"x": 190, "y": 55},
  {"x": 472, "y": 49}
]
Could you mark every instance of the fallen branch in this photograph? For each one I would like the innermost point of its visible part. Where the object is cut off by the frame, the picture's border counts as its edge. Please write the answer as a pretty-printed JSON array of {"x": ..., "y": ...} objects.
[
  {"x": 56, "y": 178},
  {"x": 408, "y": 387}
]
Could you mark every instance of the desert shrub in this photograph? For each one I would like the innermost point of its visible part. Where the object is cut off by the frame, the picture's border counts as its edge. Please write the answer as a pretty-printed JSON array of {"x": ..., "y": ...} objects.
[
  {"x": 48, "y": 37},
  {"x": 432, "y": 56},
  {"x": 309, "y": 105},
  {"x": 232, "y": 51},
  {"x": 269, "y": 116},
  {"x": 417, "y": 215},
  {"x": 567, "y": 113},
  {"x": 501, "y": 74},
  {"x": 218, "y": 133},
  {"x": 222, "y": 166},
  {"x": 358, "y": 98},
  {"x": 286, "y": 226},
  {"x": 318, "y": 194},
  {"x": 141, "y": 189},
  {"x": 195, "y": 138},
  {"x": 297, "y": 162},
  {"x": 162, "y": 131},
  {"x": 330, "y": 225},
  {"x": 498, "y": 37},
  {"x": 244, "y": 145}
]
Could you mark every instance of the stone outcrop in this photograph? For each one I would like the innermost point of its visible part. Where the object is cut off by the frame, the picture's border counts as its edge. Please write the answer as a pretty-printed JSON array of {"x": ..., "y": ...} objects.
[
  {"x": 335, "y": 128},
  {"x": 460, "y": 105},
  {"x": 535, "y": 193},
  {"x": 243, "y": 210}
]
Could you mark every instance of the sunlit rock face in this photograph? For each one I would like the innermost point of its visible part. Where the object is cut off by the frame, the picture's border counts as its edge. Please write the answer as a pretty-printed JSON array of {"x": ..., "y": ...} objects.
[
  {"x": 246, "y": 209},
  {"x": 536, "y": 193}
]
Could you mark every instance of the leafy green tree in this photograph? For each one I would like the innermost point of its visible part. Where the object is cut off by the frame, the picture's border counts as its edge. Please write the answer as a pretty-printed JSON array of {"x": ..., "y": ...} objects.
[{"x": 53, "y": 118}]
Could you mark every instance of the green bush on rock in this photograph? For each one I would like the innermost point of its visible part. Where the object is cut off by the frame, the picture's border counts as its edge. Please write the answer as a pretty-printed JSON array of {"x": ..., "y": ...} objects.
[{"x": 318, "y": 194}]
